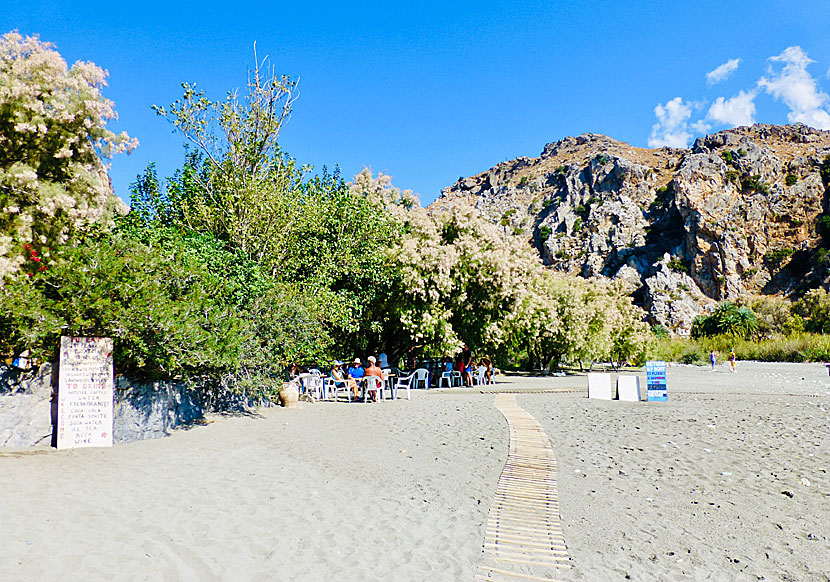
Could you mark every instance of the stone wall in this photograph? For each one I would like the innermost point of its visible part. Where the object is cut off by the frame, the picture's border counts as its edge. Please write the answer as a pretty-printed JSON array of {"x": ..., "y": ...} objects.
[
  {"x": 141, "y": 410},
  {"x": 25, "y": 407}
]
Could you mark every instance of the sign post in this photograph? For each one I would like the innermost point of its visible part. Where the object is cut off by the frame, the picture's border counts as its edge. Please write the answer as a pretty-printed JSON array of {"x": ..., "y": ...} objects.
[
  {"x": 656, "y": 381},
  {"x": 85, "y": 392}
]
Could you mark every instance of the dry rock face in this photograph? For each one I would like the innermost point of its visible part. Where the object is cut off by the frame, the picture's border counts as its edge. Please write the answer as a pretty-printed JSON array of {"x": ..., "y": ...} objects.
[{"x": 738, "y": 214}]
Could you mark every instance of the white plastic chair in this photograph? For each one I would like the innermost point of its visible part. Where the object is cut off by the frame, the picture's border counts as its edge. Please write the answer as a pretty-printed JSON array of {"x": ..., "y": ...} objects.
[
  {"x": 335, "y": 387},
  {"x": 457, "y": 379},
  {"x": 404, "y": 382},
  {"x": 480, "y": 377},
  {"x": 421, "y": 378},
  {"x": 373, "y": 384},
  {"x": 445, "y": 377},
  {"x": 312, "y": 384}
]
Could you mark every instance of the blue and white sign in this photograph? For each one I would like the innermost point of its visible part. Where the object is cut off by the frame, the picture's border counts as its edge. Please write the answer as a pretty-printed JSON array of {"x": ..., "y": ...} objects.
[{"x": 656, "y": 381}]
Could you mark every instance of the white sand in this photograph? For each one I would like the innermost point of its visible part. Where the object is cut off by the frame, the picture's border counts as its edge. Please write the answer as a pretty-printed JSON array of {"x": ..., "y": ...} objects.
[{"x": 691, "y": 489}]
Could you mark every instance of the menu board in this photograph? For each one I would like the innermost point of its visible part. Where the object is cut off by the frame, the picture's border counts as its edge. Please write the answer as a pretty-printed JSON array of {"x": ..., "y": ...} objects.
[
  {"x": 656, "y": 381},
  {"x": 85, "y": 390}
]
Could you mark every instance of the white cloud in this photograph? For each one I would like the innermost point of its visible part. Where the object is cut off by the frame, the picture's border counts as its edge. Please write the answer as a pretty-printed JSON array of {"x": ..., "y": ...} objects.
[
  {"x": 722, "y": 72},
  {"x": 700, "y": 126},
  {"x": 737, "y": 110},
  {"x": 797, "y": 89},
  {"x": 672, "y": 127}
]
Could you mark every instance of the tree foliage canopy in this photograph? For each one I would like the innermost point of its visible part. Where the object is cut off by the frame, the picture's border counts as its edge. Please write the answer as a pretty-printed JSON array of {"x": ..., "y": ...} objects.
[
  {"x": 245, "y": 260},
  {"x": 53, "y": 143}
]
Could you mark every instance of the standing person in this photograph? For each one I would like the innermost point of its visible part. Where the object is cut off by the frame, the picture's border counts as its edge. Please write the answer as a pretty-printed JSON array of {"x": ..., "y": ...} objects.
[
  {"x": 713, "y": 359},
  {"x": 732, "y": 360},
  {"x": 488, "y": 373},
  {"x": 374, "y": 370},
  {"x": 466, "y": 358}
]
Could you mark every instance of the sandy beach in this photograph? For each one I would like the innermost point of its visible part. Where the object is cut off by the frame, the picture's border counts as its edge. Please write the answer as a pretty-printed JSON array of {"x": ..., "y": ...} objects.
[{"x": 726, "y": 481}]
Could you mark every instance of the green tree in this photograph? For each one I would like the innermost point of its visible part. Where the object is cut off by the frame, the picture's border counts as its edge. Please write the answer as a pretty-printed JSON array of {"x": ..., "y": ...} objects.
[{"x": 53, "y": 147}]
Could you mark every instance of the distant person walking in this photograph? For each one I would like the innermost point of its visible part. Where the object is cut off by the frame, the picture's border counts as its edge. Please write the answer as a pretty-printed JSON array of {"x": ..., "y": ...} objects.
[
  {"x": 713, "y": 359},
  {"x": 732, "y": 360}
]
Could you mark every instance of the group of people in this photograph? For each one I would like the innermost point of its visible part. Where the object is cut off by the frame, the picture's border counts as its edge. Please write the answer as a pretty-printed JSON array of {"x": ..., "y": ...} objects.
[
  {"x": 353, "y": 374},
  {"x": 466, "y": 366},
  {"x": 713, "y": 359},
  {"x": 356, "y": 372}
]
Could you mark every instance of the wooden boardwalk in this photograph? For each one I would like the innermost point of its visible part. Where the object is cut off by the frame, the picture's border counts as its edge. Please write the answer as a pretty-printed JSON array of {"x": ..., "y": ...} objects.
[{"x": 523, "y": 538}]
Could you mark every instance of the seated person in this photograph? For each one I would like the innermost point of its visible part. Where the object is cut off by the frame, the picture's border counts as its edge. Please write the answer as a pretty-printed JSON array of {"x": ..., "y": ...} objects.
[
  {"x": 374, "y": 370},
  {"x": 447, "y": 365},
  {"x": 383, "y": 361},
  {"x": 294, "y": 370},
  {"x": 338, "y": 376},
  {"x": 356, "y": 370}
]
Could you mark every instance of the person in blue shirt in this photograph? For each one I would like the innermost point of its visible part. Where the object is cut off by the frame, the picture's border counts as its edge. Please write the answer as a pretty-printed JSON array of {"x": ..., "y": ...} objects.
[{"x": 356, "y": 370}]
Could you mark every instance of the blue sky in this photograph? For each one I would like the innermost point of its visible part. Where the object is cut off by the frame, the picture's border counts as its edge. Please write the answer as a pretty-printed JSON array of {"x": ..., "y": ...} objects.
[{"x": 431, "y": 91}]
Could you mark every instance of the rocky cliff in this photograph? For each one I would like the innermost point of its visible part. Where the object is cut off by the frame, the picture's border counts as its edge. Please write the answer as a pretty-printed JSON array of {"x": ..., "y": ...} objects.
[{"x": 740, "y": 213}]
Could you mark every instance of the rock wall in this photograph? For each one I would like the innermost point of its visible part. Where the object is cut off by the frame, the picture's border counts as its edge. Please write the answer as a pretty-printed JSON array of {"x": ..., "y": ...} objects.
[
  {"x": 740, "y": 213},
  {"x": 141, "y": 410}
]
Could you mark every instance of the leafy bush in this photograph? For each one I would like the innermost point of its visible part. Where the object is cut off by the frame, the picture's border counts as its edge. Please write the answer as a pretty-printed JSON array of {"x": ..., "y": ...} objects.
[
  {"x": 726, "y": 319},
  {"x": 777, "y": 255},
  {"x": 791, "y": 179},
  {"x": 754, "y": 184},
  {"x": 660, "y": 331},
  {"x": 677, "y": 265},
  {"x": 814, "y": 307},
  {"x": 824, "y": 172}
]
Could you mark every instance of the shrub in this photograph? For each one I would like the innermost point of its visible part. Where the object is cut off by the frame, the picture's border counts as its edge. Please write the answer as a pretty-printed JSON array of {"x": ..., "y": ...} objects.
[
  {"x": 814, "y": 307},
  {"x": 660, "y": 331},
  {"x": 544, "y": 233},
  {"x": 726, "y": 319},
  {"x": 796, "y": 347},
  {"x": 790, "y": 179},
  {"x": 677, "y": 265},
  {"x": 754, "y": 184},
  {"x": 778, "y": 255},
  {"x": 577, "y": 224},
  {"x": 824, "y": 172}
]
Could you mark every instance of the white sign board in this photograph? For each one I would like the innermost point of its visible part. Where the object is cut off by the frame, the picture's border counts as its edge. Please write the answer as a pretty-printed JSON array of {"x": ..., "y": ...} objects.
[
  {"x": 599, "y": 386},
  {"x": 85, "y": 390},
  {"x": 628, "y": 388}
]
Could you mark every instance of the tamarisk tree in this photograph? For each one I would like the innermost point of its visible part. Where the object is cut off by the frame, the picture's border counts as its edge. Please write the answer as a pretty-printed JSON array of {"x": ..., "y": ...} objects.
[{"x": 54, "y": 144}]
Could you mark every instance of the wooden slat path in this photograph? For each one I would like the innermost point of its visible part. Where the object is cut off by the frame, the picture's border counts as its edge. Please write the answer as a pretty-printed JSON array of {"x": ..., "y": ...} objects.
[{"x": 523, "y": 538}]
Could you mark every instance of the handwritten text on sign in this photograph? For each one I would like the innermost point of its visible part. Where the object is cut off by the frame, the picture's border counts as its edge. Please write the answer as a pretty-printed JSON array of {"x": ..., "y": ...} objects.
[{"x": 85, "y": 392}]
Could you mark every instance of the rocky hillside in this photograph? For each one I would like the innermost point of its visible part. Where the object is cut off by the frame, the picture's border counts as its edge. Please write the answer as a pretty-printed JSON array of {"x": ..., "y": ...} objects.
[{"x": 740, "y": 213}]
